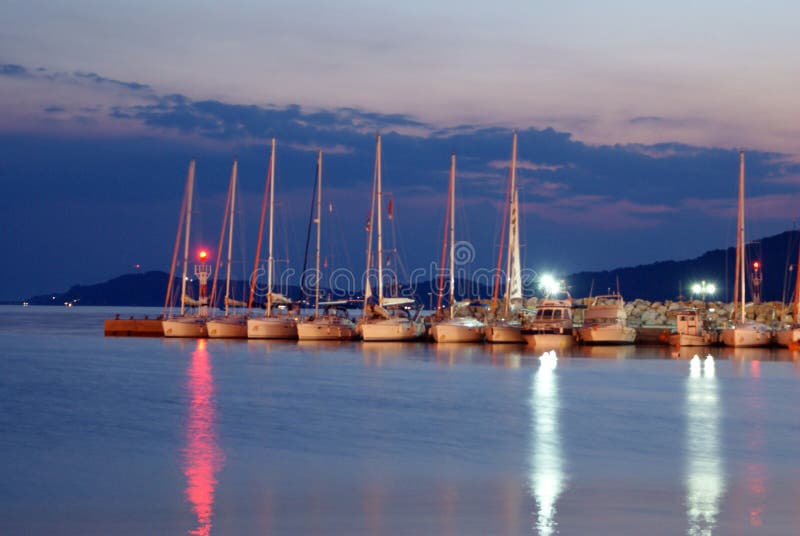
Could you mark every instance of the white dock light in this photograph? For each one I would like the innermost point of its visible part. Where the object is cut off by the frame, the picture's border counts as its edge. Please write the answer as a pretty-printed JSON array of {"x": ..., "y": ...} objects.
[
  {"x": 549, "y": 284},
  {"x": 703, "y": 289}
]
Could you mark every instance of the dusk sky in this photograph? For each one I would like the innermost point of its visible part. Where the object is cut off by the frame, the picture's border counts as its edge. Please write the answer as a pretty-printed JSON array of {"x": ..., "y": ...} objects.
[{"x": 630, "y": 117}]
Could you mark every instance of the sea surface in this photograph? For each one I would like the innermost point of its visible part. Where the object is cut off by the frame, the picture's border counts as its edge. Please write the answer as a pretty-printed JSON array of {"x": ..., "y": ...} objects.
[{"x": 135, "y": 436}]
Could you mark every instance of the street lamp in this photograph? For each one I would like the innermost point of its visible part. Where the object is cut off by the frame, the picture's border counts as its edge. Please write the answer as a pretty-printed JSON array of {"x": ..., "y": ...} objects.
[
  {"x": 549, "y": 284},
  {"x": 703, "y": 289}
]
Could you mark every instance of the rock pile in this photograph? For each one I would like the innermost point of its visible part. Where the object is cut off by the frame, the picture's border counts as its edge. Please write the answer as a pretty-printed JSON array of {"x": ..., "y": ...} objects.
[{"x": 647, "y": 313}]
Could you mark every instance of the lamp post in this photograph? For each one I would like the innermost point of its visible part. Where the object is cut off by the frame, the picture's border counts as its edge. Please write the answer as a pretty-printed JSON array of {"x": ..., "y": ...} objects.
[{"x": 703, "y": 289}]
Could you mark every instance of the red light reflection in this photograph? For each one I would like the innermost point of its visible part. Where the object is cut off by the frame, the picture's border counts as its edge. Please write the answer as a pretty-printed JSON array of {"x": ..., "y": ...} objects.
[{"x": 202, "y": 455}]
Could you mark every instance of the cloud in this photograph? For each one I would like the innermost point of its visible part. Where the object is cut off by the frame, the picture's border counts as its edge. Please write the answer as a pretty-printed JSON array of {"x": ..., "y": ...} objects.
[
  {"x": 601, "y": 212},
  {"x": 326, "y": 149},
  {"x": 584, "y": 201},
  {"x": 771, "y": 207},
  {"x": 75, "y": 77},
  {"x": 10, "y": 69},
  {"x": 101, "y": 80},
  {"x": 645, "y": 119},
  {"x": 479, "y": 176},
  {"x": 540, "y": 188},
  {"x": 527, "y": 165},
  {"x": 789, "y": 179}
]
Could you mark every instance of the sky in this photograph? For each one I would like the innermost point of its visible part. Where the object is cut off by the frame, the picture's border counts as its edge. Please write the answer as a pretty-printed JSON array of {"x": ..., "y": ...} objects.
[{"x": 629, "y": 115}]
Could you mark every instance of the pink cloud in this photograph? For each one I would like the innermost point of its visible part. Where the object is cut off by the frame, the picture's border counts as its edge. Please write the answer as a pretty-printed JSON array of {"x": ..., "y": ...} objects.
[
  {"x": 326, "y": 149},
  {"x": 527, "y": 165},
  {"x": 764, "y": 207},
  {"x": 600, "y": 211}
]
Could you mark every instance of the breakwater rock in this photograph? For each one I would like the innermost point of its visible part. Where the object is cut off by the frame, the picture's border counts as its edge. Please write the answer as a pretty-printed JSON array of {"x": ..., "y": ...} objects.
[{"x": 662, "y": 313}]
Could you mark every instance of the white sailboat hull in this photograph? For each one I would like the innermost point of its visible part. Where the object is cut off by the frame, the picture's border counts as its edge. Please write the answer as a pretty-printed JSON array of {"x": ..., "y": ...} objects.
[
  {"x": 454, "y": 331},
  {"x": 272, "y": 327},
  {"x": 789, "y": 337},
  {"x": 227, "y": 328},
  {"x": 746, "y": 335},
  {"x": 608, "y": 334},
  {"x": 185, "y": 327},
  {"x": 323, "y": 329},
  {"x": 391, "y": 330},
  {"x": 504, "y": 334}
]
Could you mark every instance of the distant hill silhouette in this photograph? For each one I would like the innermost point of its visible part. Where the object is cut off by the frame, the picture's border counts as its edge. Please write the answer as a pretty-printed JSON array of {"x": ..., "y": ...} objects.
[
  {"x": 657, "y": 281},
  {"x": 669, "y": 279}
]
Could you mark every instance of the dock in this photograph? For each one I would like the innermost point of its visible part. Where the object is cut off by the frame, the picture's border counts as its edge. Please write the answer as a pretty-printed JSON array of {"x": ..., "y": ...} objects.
[{"x": 133, "y": 327}]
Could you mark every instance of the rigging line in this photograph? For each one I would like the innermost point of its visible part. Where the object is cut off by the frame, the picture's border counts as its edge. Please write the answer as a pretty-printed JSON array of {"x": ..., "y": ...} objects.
[
  {"x": 399, "y": 246},
  {"x": 395, "y": 250},
  {"x": 283, "y": 217},
  {"x": 260, "y": 237},
  {"x": 447, "y": 216},
  {"x": 496, "y": 289},
  {"x": 310, "y": 220},
  {"x": 786, "y": 266},
  {"x": 170, "y": 282},
  {"x": 465, "y": 282},
  {"x": 241, "y": 238},
  {"x": 370, "y": 218},
  {"x": 213, "y": 298}
]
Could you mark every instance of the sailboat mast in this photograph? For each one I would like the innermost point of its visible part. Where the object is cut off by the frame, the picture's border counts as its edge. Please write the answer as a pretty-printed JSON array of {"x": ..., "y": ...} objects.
[
  {"x": 511, "y": 222},
  {"x": 506, "y": 206},
  {"x": 177, "y": 245},
  {"x": 270, "y": 260},
  {"x": 318, "y": 221},
  {"x": 452, "y": 232},
  {"x": 230, "y": 237},
  {"x": 440, "y": 289},
  {"x": 260, "y": 234},
  {"x": 741, "y": 270},
  {"x": 797, "y": 289},
  {"x": 515, "y": 291},
  {"x": 221, "y": 242},
  {"x": 189, "y": 193},
  {"x": 380, "y": 220},
  {"x": 370, "y": 217}
]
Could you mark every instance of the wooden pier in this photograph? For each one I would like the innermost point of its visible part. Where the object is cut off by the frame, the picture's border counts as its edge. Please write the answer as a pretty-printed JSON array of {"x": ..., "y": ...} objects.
[{"x": 133, "y": 327}]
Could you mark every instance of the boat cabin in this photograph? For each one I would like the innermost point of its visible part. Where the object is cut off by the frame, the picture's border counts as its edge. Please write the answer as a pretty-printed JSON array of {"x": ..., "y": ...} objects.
[{"x": 689, "y": 322}]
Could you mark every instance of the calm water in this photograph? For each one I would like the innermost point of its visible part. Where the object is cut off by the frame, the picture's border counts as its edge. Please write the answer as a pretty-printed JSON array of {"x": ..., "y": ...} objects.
[{"x": 150, "y": 436}]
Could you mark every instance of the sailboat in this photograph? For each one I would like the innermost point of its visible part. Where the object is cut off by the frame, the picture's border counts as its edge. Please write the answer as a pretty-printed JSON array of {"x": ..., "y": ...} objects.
[
  {"x": 743, "y": 333},
  {"x": 228, "y": 326},
  {"x": 186, "y": 325},
  {"x": 333, "y": 323},
  {"x": 388, "y": 320},
  {"x": 789, "y": 336},
  {"x": 505, "y": 328},
  {"x": 455, "y": 328},
  {"x": 271, "y": 325}
]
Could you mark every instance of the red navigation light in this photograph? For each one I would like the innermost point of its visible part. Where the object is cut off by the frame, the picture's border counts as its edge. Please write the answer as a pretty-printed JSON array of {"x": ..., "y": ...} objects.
[
  {"x": 756, "y": 265},
  {"x": 203, "y": 255}
]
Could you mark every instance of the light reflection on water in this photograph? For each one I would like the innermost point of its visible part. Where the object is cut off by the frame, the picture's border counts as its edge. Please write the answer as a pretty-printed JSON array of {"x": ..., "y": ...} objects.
[
  {"x": 546, "y": 464},
  {"x": 705, "y": 479},
  {"x": 755, "y": 469},
  {"x": 125, "y": 436},
  {"x": 202, "y": 456}
]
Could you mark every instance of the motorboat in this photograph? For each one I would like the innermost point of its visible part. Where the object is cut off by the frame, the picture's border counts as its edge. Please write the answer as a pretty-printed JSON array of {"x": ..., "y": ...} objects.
[{"x": 606, "y": 322}]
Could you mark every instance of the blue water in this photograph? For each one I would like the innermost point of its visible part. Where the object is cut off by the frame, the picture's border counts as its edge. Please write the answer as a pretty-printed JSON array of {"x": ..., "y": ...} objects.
[{"x": 150, "y": 436}]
